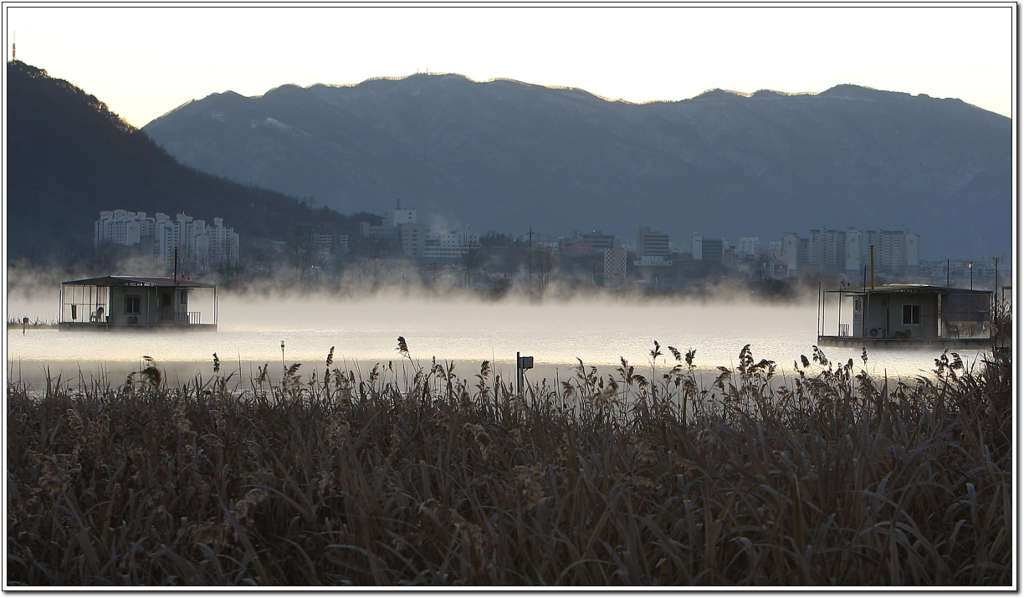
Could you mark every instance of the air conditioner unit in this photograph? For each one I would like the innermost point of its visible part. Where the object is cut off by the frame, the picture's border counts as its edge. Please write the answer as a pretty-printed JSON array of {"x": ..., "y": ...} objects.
[{"x": 876, "y": 332}]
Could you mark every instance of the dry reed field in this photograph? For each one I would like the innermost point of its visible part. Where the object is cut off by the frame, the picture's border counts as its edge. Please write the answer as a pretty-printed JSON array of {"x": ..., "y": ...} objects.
[{"x": 408, "y": 475}]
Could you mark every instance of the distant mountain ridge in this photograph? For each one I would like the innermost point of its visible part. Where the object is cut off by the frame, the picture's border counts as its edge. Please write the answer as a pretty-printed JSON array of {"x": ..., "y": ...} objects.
[
  {"x": 507, "y": 155},
  {"x": 69, "y": 157}
]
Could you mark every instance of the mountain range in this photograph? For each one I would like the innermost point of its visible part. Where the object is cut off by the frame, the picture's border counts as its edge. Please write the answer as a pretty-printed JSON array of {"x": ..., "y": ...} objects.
[
  {"x": 69, "y": 158},
  {"x": 508, "y": 156}
]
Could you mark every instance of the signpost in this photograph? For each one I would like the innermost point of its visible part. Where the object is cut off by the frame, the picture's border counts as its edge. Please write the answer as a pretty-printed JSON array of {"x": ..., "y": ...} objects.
[{"x": 523, "y": 363}]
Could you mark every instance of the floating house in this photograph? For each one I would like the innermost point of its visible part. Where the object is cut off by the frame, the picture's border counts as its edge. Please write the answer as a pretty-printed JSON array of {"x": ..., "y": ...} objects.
[
  {"x": 904, "y": 315},
  {"x": 137, "y": 303}
]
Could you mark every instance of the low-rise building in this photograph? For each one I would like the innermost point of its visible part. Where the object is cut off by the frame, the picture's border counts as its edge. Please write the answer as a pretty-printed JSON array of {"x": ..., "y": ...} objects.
[
  {"x": 707, "y": 248},
  {"x": 749, "y": 248}
]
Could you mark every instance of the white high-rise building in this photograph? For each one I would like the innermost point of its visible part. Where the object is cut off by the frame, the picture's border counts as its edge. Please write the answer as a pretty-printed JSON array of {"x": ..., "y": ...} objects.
[
  {"x": 200, "y": 247},
  {"x": 224, "y": 244},
  {"x": 894, "y": 249},
  {"x": 791, "y": 252},
  {"x": 165, "y": 240},
  {"x": 854, "y": 249},
  {"x": 122, "y": 227},
  {"x": 835, "y": 251}
]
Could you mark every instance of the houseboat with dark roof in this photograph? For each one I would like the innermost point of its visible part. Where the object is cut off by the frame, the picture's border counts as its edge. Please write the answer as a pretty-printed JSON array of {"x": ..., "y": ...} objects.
[
  {"x": 905, "y": 315},
  {"x": 137, "y": 303}
]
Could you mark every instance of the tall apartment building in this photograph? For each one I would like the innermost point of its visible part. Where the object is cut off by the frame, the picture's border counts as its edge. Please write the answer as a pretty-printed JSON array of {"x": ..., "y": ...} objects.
[
  {"x": 223, "y": 245},
  {"x": 414, "y": 239},
  {"x": 894, "y": 250},
  {"x": 854, "y": 249},
  {"x": 835, "y": 251},
  {"x": 848, "y": 251},
  {"x": 122, "y": 227},
  {"x": 795, "y": 253},
  {"x": 822, "y": 249},
  {"x": 651, "y": 243},
  {"x": 166, "y": 238},
  {"x": 200, "y": 247},
  {"x": 615, "y": 263}
]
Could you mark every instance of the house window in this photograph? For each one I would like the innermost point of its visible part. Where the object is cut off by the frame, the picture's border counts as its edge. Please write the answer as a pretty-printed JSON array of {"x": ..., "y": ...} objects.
[
  {"x": 133, "y": 304},
  {"x": 911, "y": 314}
]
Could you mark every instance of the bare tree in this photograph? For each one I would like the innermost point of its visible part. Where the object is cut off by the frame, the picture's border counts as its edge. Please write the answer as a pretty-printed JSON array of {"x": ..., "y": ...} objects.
[
  {"x": 471, "y": 260},
  {"x": 544, "y": 261},
  {"x": 302, "y": 248}
]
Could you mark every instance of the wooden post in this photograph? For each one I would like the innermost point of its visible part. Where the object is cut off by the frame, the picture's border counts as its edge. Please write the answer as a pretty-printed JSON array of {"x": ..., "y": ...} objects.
[
  {"x": 519, "y": 374},
  {"x": 839, "y": 314},
  {"x": 817, "y": 313}
]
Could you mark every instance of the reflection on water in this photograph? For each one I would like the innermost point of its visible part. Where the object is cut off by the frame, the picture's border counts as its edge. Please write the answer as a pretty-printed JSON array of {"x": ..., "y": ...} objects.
[{"x": 466, "y": 332}]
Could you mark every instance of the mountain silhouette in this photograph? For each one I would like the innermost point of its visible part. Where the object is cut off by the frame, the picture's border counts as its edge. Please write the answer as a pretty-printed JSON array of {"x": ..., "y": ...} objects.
[
  {"x": 69, "y": 157},
  {"x": 507, "y": 155}
]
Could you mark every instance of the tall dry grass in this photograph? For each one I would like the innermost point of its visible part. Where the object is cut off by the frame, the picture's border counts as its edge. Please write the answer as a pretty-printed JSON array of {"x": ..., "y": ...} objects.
[{"x": 409, "y": 475}]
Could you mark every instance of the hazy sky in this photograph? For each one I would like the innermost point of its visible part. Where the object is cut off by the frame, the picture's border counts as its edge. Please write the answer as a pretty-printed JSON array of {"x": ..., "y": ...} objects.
[{"x": 147, "y": 59}]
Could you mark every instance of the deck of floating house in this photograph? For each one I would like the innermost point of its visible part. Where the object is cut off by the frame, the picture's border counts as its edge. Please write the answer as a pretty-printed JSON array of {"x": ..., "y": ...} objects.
[
  {"x": 137, "y": 303},
  {"x": 905, "y": 315}
]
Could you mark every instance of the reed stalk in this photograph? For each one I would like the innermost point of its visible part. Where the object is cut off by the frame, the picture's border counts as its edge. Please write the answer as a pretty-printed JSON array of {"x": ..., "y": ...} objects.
[{"x": 834, "y": 479}]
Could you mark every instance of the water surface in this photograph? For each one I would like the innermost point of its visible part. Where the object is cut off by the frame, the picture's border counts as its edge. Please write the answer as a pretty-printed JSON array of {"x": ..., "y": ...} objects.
[{"x": 365, "y": 332}]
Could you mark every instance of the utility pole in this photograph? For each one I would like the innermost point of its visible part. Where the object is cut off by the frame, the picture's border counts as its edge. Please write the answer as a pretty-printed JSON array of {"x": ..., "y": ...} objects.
[
  {"x": 530, "y": 279},
  {"x": 995, "y": 289}
]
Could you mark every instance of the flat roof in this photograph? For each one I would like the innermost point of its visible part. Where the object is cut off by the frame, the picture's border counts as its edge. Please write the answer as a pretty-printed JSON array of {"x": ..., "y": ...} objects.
[
  {"x": 908, "y": 288},
  {"x": 137, "y": 281}
]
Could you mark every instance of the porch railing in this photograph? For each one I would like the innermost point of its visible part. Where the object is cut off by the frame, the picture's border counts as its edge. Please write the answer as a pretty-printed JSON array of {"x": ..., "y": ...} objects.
[{"x": 187, "y": 318}]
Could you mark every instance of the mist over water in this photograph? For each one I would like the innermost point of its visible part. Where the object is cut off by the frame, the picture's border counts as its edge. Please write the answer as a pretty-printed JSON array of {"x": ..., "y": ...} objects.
[{"x": 467, "y": 331}]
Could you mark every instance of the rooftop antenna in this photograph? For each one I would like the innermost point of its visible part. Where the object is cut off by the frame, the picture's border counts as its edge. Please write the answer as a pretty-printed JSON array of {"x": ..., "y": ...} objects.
[{"x": 14, "y": 47}]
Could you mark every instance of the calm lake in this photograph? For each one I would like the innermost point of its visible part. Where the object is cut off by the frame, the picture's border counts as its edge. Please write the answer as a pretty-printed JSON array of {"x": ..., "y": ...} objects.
[{"x": 465, "y": 331}]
